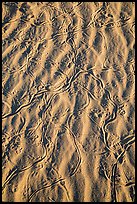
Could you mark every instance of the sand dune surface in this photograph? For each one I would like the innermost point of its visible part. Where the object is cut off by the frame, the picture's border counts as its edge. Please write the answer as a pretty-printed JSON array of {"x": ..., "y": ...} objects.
[{"x": 68, "y": 101}]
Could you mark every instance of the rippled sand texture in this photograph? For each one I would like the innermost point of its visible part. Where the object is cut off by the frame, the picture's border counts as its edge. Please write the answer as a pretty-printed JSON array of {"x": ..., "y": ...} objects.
[{"x": 68, "y": 90}]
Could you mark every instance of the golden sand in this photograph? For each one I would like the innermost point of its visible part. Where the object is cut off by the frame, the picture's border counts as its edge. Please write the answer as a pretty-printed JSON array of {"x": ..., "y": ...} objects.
[{"x": 68, "y": 90}]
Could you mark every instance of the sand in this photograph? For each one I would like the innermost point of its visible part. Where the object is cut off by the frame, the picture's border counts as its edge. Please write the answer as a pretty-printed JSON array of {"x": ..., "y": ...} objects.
[{"x": 68, "y": 101}]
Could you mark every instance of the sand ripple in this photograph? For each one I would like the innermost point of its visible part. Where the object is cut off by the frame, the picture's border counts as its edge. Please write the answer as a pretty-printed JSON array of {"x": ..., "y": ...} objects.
[{"x": 68, "y": 109}]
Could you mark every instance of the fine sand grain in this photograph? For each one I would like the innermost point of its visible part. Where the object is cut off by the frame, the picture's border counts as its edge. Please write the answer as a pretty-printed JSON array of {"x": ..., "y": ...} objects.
[{"x": 68, "y": 108}]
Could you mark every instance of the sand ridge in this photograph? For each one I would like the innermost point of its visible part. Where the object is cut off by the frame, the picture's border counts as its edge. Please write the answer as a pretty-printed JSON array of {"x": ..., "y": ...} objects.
[{"x": 68, "y": 101}]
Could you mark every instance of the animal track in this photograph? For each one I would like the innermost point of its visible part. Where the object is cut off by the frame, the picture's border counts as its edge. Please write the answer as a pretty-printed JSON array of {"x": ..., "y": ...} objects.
[{"x": 67, "y": 101}]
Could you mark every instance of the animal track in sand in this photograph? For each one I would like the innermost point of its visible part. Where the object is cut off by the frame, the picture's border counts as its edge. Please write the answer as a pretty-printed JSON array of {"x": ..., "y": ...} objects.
[{"x": 68, "y": 109}]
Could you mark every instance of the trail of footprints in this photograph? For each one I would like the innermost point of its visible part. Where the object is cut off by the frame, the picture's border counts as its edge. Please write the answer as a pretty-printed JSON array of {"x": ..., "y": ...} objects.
[{"x": 50, "y": 59}]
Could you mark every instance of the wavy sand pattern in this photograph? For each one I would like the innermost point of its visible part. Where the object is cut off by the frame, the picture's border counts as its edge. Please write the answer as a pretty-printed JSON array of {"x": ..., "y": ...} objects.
[{"x": 68, "y": 109}]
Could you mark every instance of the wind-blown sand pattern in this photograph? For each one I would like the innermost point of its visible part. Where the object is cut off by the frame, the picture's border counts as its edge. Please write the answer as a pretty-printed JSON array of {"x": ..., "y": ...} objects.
[{"x": 68, "y": 109}]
